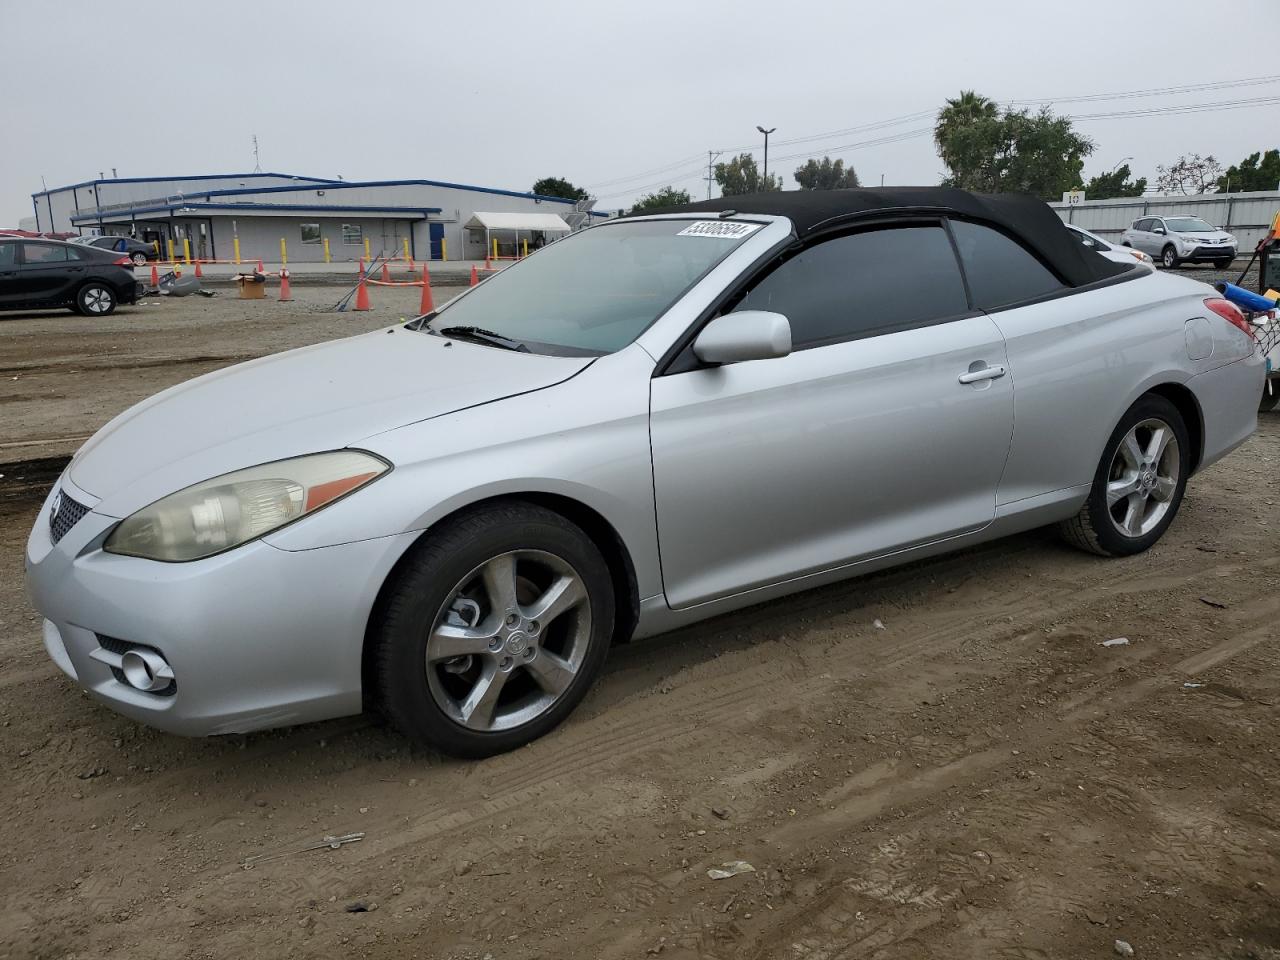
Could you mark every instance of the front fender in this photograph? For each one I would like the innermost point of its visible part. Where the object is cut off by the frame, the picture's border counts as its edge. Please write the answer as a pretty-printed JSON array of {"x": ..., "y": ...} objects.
[{"x": 586, "y": 439}]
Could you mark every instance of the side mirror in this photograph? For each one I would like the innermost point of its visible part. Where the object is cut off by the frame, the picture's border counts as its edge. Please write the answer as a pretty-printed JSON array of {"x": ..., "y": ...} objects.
[
  {"x": 1159, "y": 230},
  {"x": 749, "y": 335}
]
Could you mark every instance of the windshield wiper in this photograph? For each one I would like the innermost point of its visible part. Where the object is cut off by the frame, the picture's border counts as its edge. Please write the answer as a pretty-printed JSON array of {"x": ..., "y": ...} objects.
[{"x": 482, "y": 335}]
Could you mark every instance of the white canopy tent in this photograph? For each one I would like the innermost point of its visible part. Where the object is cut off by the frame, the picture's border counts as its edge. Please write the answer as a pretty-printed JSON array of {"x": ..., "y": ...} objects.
[{"x": 516, "y": 224}]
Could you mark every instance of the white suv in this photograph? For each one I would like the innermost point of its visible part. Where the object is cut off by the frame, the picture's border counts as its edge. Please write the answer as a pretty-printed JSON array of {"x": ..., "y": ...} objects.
[{"x": 1177, "y": 240}]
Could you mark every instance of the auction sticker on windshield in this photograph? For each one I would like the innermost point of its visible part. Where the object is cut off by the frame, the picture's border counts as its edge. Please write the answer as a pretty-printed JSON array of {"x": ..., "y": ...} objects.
[{"x": 720, "y": 229}]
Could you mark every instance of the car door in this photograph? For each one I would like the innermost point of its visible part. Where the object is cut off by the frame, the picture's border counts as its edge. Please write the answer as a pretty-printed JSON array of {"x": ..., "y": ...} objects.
[
  {"x": 1157, "y": 237},
  {"x": 10, "y": 285},
  {"x": 49, "y": 273},
  {"x": 1058, "y": 348},
  {"x": 886, "y": 427},
  {"x": 1138, "y": 237}
]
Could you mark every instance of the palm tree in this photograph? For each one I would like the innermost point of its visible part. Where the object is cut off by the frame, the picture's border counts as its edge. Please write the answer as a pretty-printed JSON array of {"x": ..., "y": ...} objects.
[
  {"x": 956, "y": 119},
  {"x": 960, "y": 112}
]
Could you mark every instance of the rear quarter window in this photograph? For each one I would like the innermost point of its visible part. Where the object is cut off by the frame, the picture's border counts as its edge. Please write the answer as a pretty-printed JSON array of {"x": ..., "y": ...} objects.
[{"x": 1001, "y": 272}]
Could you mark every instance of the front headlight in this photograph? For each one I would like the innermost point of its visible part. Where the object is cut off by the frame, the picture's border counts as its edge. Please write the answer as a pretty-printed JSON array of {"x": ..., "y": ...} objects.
[{"x": 224, "y": 512}]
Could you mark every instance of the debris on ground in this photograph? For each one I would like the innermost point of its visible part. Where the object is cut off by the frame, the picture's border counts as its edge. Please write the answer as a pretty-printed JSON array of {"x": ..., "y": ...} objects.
[
  {"x": 877, "y": 624},
  {"x": 721, "y": 813},
  {"x": 1192, "y": 685},
  {"x": 358, "y": 907},
  {"x": 327, "y": 843},
  {"x": 1123, "y": 948},
  {"x": 1213, "y": 603},
  {"x": 1116, "y": 642},
  {"x": 730, "y": 868}
]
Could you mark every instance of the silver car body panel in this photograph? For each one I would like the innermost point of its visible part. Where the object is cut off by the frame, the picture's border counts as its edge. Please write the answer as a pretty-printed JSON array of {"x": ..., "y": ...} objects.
[{"x": 725, "y": 487}]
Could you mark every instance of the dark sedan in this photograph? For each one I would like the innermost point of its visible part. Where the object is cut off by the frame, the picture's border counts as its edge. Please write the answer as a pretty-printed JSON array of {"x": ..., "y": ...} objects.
[
  {"x": 45, "y": 274},
  {"x": 137, "y": 251}
]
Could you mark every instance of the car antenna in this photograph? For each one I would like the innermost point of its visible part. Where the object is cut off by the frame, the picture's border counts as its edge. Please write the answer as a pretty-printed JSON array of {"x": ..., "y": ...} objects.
[{"x": 725, "y": 214}]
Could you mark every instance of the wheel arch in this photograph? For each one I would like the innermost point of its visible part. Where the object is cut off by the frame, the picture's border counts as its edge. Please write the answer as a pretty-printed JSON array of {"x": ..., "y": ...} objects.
[
  {"x": 622, "y": 572},
  {"x": 1185, "y": 401}
]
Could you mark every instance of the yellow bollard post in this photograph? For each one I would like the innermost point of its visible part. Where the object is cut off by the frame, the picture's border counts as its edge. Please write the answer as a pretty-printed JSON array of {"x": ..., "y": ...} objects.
[
  {"x": 366, "y": 250},
  {"x": 170, "y": 239},
  {"x": 235, "y": 246},
  {"x": 444, "y": 249},
  {"x": 495, "y": 248},
  {"x": 405, "y": 241},
  {"x": 526, "y": 247},
  {"x": 326, "y": 249},
  {"x": 284, "y": 253},
  {"x": 186, "y": 249},
  {"x": 155, "y": 245}
]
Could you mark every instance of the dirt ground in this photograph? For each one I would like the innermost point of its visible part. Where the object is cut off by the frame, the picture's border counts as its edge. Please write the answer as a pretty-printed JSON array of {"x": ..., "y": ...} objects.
[{"x": 979, "y": 778}]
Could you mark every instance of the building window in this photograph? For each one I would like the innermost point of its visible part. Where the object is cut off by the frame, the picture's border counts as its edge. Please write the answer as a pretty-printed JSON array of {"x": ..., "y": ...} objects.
[
  {"x": 352, "y": 234},
  {"x": 311, "y": 232}
]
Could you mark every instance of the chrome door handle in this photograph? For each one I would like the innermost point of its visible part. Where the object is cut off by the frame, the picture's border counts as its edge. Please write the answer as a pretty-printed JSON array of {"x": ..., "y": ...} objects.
[{"x": 986, "y": 373}]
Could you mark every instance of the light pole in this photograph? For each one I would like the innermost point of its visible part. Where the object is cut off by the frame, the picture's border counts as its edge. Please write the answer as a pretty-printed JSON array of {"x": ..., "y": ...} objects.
[
  {"x": 1120, "y": 161},
  {"x": 766, "y": 133}
]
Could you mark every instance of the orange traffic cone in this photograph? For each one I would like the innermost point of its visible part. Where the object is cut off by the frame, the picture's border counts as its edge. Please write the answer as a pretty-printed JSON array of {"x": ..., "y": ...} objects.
[
  {"x": 386, "y": 272},
  {"x": 260, "y": 270},
  {"x": 155, "y": 276},
  {"x": 475, "y": 279},
  {"x": 362, "y": 296},
  {"x": 426, "y": 305},
  {"x": 362, "y": 266},
  {"x": 284, "y": 286},
  {"x": 487, "y": 264},
  {"x": 198, "y": 273}
]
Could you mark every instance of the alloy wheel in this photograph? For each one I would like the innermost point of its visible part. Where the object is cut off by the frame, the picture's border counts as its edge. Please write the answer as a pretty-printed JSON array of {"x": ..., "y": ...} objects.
[
  {"x": 1143, "y": 478},
  {"x": 1170, "y": 258},
  {"x": 509, "y": 641},
  {"x": 97, "y": 300}
]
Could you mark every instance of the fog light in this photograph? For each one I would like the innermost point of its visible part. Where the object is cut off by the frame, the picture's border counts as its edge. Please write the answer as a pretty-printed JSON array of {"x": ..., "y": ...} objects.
[{"x": 146, "y": 670}]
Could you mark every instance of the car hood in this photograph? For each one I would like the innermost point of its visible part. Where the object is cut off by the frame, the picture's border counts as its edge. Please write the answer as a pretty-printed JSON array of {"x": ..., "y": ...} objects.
[{"x": 318, "y": 398}]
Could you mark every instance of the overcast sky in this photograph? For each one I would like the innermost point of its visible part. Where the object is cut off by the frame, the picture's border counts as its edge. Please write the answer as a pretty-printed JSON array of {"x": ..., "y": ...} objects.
[{"x": 619, "y": 97}]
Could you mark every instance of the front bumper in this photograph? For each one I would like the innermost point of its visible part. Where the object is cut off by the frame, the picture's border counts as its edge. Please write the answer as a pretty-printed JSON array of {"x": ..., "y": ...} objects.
[
  {"x": 1201, "y": 254},
  {"x": 256, "y": 637}
]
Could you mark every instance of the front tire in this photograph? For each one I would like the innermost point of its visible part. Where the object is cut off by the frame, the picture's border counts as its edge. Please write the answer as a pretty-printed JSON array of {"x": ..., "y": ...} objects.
[
  {"x": 1139, "y": 483},
  {"x": 493, "y": 630},
  {"x": 1222, "y": 264},
  {"x": 1169, "y": 257},
  {"x": 96, "y": 300},
  {"x": 139, "y": 259}
]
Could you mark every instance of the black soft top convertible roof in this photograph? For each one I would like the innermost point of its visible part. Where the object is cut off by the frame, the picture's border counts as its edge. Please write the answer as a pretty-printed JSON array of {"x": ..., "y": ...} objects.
[{"x": 1023, "y": 217}]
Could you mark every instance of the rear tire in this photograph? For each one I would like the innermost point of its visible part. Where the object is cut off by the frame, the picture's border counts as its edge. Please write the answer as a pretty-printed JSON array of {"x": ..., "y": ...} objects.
[
  {"x": 1139, "y": 483},
  {"x": 1169, "y": 257},
  {"x": 493, "y": 630},
  {"x": 1270, "y": 397},
  {"x": 96, "y": 299},
  {"x": 139, "y": 259}
]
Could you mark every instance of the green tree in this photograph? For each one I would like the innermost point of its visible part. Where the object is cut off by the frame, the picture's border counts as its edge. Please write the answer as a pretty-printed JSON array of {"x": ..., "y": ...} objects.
[
  {"x": 558, "y": 187},
  {"x": 826, "y": 174},
  {"x": 988, "y": 150},
  {"x": 740, "y": 175},
  {"x": 666, "y": 197},
  {"x": 1189, "y": 174},
  {"x": 1258, "y": 171},
  {"x": 1114, "y": 184}
]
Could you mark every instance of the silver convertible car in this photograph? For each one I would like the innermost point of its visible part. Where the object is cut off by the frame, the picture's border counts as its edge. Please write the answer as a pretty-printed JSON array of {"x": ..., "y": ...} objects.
[{"x": 648, "y": 423}]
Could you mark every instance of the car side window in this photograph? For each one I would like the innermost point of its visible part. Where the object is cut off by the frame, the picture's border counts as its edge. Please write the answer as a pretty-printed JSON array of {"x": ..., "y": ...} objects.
[
  {"x": 862, "y": 284},
  {"x": 42, "y": 253},
  {"x": 1141, "y": 225},
  {"x": 1157, "y": 226},
  {"x": 1000, "y": 270},
  {"x": 8, "y": 253}
]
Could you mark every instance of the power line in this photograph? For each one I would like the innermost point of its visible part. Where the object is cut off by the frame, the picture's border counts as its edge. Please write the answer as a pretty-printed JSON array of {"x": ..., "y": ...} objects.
[{"x": 1155, "y": 91}]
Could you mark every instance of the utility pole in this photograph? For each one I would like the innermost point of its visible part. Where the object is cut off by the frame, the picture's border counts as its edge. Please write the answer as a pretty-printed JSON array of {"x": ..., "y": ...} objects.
[
  {"x": 766, "y": 133},
  {"x": 710, "y": 177},
  {"x": 257, "y": 166}
]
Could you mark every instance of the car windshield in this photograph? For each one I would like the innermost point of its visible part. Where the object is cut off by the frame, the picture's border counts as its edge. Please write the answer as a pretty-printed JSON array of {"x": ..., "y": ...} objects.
[
  {"x": 1189, "y": 225},
  {"x": 594, "y": 292}
]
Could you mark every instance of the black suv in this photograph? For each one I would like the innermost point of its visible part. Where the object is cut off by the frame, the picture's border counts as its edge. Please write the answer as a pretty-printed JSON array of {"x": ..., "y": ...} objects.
[{"x": 40, "y": 274}]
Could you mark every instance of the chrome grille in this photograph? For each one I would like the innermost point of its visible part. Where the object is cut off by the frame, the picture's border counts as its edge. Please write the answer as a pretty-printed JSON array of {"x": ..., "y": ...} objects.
[{"x": 66, "y": 513}]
